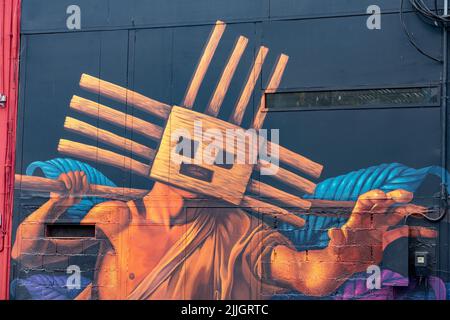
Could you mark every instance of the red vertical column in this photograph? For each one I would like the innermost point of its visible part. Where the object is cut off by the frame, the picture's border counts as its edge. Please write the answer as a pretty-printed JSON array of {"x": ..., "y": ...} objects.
[{"x": 9, "y": 65}]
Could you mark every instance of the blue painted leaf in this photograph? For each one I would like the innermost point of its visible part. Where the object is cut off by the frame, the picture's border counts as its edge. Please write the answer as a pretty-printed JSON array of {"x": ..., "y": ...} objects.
[
  {"x": 50, "y": 287},
  {"x": 52, "y": 169},
  {"x": 349, "y": 187}
]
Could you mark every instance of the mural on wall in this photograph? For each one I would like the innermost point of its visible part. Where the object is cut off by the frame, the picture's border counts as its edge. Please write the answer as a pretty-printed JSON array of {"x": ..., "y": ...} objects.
[{"x": 210, "y": 230}]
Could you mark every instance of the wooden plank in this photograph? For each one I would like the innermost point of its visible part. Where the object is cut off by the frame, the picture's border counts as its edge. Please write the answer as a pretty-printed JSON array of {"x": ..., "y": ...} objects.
[
  {"x": 244, "y": 98},
  {"x": 291, "y": 179},
  {"x": 264, "y": 190},
  {"x": 272, "y": 87},
  {"x": 316, "y": 203},
  {"x": 296, "y": 160},
  {"x": 123, "y": 95},
  {"x": 97, "y": 110},
  {"x": 87, "y": 130},
  {"x": 272, "y": 211},
  {"x": 203, "y": 65},
  {"x": 44, "y": 185},
  {"x": 225, "y": 80},
  {"x": 98, "y": 155}
]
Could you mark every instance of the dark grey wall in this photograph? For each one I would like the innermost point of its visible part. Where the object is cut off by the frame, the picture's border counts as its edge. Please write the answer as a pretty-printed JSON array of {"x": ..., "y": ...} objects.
[
  {"x": 101, "y": 14},
  {"x": 328, "y": 44},
  {"x": 152, "y": 47}
]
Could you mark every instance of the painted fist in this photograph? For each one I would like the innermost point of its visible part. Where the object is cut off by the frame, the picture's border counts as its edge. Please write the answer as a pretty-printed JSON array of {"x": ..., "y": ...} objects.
[{"x": 76, "y": 187}]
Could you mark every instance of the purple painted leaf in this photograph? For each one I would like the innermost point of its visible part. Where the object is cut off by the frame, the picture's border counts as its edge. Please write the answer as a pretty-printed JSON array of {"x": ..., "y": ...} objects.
[
  {"x": 393, "y": 286},
  {"x": 356, "y": 288},
  {"x": 439, "y": 288},
  {"x": 50, "y": 287},
  {"x": 393, "y": 279}
]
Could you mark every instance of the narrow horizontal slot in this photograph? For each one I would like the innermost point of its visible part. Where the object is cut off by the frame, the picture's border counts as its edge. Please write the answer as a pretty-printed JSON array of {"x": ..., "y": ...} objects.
[
  {"x": 70, "y": 231},
  {"x": 353, "y": 98}
]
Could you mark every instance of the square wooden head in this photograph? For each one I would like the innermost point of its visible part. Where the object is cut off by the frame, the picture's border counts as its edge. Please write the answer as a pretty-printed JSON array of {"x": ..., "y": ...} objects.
[{"x": 205, "y": 169}]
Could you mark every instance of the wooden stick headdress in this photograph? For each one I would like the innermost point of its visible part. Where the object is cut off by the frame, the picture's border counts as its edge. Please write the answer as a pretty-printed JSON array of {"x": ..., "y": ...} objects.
[{"x": 232, "y": 183}]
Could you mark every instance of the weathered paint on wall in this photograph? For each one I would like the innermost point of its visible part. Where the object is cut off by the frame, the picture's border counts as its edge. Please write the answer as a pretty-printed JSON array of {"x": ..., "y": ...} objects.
[
  {"x": 9, "y": 50},
  {"x": 379, "y": 163}
]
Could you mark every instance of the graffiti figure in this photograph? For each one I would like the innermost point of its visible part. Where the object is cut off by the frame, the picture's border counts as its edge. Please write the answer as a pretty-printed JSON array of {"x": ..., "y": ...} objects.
[{"x": 155, "y": 248}]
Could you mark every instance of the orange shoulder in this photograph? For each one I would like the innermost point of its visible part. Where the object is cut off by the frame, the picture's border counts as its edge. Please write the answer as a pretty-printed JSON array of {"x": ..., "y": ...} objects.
[{"x": 108, "y": 212}]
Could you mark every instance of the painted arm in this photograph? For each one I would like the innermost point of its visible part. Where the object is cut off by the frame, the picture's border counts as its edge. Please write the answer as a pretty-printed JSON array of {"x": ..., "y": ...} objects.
[
  {"x": 31, "y": 232},
  {"x": 352, "y": 248}
]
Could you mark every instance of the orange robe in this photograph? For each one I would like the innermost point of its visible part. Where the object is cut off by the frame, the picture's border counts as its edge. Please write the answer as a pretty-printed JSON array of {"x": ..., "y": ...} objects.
[{"x": 225, "y": 254}]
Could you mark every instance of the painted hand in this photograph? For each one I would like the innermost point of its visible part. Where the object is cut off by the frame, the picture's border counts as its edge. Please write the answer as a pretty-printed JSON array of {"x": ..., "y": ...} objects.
[
  {"x": 365, "y": 235},
  {"x": 76, "y": 186}
]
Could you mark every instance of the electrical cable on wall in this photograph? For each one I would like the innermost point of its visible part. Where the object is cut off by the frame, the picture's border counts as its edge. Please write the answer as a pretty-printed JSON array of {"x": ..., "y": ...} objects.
[
  {"x": 441, "y": 19},
  {"x": 434, "y": 16},
  {"x": 430, "y": 15}
]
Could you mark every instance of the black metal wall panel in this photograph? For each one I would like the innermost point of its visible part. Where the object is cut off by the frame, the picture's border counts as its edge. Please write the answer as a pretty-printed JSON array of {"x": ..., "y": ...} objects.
[
  {"x": 153, "y": 48},
  {"x": 107, "y": 14},
  {"x": 308, "y": 9},
  {"x": 362, "y": 138},
  {"x": 342, "y": 52},
  {"x": 100, "y": 54},
  {"x": 138, "y": 13}
]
